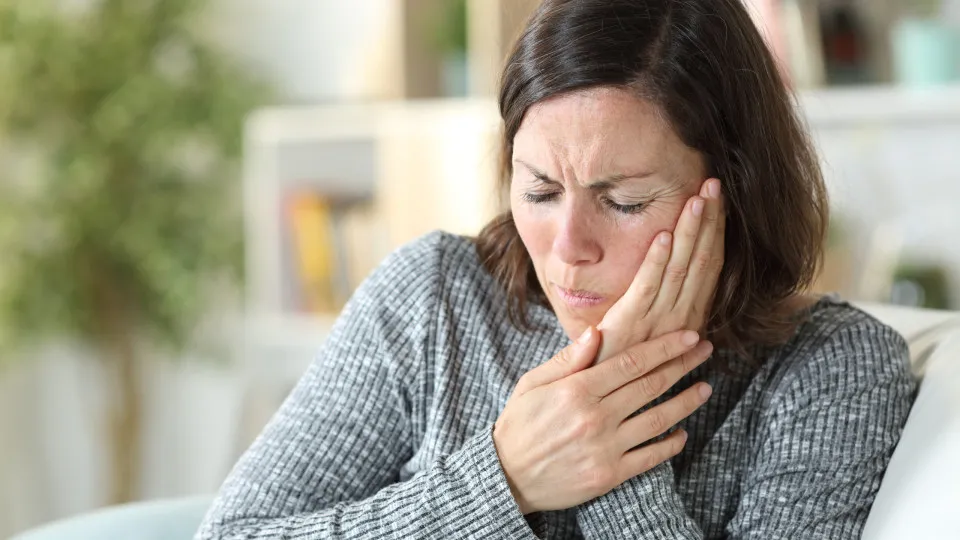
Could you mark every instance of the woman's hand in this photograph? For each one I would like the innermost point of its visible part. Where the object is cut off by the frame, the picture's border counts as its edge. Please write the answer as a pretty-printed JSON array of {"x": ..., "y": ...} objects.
[
  {"x": 674, "y": 287},
  {"x": 564, "y": 436}
]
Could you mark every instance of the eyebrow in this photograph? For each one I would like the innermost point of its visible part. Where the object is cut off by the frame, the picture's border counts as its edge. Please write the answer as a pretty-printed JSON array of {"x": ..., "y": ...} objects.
[{"x": 600, "y": 185}]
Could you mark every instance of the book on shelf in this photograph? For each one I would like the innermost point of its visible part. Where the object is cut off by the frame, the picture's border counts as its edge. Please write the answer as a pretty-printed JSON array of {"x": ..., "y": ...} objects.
[
  {"x": 333, "y": 247},
  {"x": 312, "y": 243}
]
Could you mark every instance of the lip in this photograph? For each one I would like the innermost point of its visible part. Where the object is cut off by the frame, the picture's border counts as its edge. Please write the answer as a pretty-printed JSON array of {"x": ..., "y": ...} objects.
[{"x": 578, "y": 298}]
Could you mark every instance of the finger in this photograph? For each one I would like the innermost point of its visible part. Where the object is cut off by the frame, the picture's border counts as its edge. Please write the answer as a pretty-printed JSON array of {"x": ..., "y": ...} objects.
[
  {"x": 639, "y": 297},
  {"x": 645, "y": 285},
  {"x": 641, "y": 460},
  {"x": 636, "y": 394},
  {"x": 573, "y": 358},
  {"x": 657, "y": 420},
  {"x": 702, "y": 258},
  {"x": 684, "y": 238},
  {"x": 637, "y": 361},
  {"x": 712, "y": 278}
]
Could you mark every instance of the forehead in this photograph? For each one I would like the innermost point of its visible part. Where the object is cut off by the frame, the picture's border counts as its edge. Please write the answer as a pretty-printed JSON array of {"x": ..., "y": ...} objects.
[{"x": 608, "y": 128}]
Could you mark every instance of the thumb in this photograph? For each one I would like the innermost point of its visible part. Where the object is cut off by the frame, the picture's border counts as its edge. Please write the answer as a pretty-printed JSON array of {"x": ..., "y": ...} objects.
[{"x": 573, "y": 358}]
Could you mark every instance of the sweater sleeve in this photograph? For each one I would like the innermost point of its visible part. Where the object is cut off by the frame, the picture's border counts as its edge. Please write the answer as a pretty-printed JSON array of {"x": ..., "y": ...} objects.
[
  {"x": 645, "y": 507},
  {"x": 327, "y": 464},
  {"x": 824, "y": 443},
  {"x": 827, "y": 437}
]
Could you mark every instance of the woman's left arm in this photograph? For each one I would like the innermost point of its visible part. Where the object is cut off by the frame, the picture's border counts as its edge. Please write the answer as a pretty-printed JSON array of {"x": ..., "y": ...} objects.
[
  {"x": 823, "y": 446},
  {"x": 828, "y": 436}
]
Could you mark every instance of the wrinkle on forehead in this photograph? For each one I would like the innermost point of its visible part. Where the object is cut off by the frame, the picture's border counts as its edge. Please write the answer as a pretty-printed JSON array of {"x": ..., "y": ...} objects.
[{"x": 601, "y": 132}]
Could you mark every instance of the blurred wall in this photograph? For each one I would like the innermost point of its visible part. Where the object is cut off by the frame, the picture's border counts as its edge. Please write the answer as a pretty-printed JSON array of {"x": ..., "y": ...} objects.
[{"x": 316, "y": 50}]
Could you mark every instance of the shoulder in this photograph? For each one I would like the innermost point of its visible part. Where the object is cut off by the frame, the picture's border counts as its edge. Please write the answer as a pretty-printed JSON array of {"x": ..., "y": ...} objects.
[
  {"x": 447, "y": 257},
  {"x": 840, "y": 349},
  {"x": 415, "y": 257},
  {"x": 395, "y": 307},
  {"x": 404, "y": 281}
]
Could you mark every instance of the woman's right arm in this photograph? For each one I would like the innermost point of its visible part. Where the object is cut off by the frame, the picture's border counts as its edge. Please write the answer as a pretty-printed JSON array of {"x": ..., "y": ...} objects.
[{"x": 327, "y": 464}]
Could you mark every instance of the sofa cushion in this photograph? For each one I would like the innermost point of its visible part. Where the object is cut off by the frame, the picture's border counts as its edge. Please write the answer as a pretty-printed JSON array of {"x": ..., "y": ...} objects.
[{"x": 920, "y": 493}]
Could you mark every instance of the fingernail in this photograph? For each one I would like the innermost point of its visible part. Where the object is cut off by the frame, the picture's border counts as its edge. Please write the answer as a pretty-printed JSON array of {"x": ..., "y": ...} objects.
[
  {"x": 705, "y": 391},
  {"x": 683, "y": 436},
  {"x": 714, "y": 189},
  {"x": 664, "y": 239},
  {"x": 585, "y": 336},
  {"x": 698, "y": 207},
  {"x": 690, "y": 338}
]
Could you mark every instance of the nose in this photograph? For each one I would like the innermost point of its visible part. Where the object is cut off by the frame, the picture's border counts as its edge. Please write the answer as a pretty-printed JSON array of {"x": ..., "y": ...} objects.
[{"x": 576, "y": 241}]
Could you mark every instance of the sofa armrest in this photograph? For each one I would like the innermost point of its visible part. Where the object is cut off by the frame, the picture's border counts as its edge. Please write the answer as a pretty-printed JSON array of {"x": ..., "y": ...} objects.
[{"x": 920, "y": 493}]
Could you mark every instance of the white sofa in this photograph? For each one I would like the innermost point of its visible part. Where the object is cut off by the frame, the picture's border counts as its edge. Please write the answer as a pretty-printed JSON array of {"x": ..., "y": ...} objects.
[{"x": 920, "y": 494}]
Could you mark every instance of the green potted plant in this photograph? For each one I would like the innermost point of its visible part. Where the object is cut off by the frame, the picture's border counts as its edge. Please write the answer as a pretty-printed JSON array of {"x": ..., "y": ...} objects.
[
  {"x": 119, "y": 193},
  {"x": 450, "y": 41}
]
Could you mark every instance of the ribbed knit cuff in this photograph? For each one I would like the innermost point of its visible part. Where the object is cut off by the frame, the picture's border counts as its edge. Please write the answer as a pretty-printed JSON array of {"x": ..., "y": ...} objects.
[{"x": 486, "y": 474}]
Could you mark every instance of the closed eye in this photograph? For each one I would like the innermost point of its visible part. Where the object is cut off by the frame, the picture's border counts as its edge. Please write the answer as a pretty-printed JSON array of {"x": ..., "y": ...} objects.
[
  {"x": 624, "y": 208},
  {"x": 538, "y": 198}
]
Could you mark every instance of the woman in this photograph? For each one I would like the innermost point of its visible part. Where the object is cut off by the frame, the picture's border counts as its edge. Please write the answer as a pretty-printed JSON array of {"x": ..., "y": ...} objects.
[{"x": 667, "y": 213}]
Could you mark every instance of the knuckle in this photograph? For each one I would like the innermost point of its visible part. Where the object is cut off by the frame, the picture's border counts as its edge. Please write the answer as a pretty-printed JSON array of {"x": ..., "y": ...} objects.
[
  {"x": 648, "y": 459},
  {"x": 599, "y": 477},
  {"x": 664, "y": 350},
  {"x": 656, "y": 422},
  {"x": 647, "y": 290},
  {"x": 704, "y": 262},
  {"x": 676, "y": 273},
  {"x": 652, "y": 385},
  {"x": 562, "y": 357},
  {"x": 585, "y": 426},
  {"x": 633, "y": 363},
  {"x": 567, "y": 395}
]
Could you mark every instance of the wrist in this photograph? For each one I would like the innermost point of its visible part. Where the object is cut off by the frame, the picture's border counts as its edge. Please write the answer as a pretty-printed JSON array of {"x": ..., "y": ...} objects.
[{"x": 524, "y": 505}]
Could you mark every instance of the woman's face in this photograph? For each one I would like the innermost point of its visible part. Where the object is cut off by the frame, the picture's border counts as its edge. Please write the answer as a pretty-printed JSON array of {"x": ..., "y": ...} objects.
[{"x": 596, "y": 175}]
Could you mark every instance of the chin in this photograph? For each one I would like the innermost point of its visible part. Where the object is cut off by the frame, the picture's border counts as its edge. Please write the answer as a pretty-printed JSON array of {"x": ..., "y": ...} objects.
[
  {"x": 574, "y": 324},
  {"x": 575, "y": 332}
]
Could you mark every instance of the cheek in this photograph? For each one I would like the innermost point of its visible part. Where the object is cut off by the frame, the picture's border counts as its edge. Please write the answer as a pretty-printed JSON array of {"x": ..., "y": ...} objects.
[
  {"x": 625, "y": 253},
  {"x": 534, "y": 231},
  {"x": 629, "y": 248}
]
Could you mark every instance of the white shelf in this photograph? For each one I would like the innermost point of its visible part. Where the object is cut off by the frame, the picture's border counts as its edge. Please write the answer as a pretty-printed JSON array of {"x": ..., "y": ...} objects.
[
  {"x": 408, "y": 159},
  {"x": 881, "y": 104},
  {"x": 281, "y": 347}
]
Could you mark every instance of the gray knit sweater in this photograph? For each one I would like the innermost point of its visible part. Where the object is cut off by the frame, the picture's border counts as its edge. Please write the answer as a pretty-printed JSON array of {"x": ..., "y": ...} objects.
[{"x": 389, "y": 432}]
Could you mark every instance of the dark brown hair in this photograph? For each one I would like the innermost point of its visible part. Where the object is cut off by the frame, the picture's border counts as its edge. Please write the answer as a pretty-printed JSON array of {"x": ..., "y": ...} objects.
[{"x": 706, "y": 66}]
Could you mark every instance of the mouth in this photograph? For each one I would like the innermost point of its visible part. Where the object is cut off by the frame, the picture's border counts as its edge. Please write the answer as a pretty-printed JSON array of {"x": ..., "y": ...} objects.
[{"x": 578, "y": 297}]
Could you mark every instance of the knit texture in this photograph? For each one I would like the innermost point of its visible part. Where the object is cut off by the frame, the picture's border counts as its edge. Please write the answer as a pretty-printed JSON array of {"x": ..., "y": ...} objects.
[{"x": 389, "y": 432}]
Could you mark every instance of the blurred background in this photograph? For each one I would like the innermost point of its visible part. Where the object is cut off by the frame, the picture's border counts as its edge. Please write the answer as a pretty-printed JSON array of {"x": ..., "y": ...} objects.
[{"x": 190, "y": 191}]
